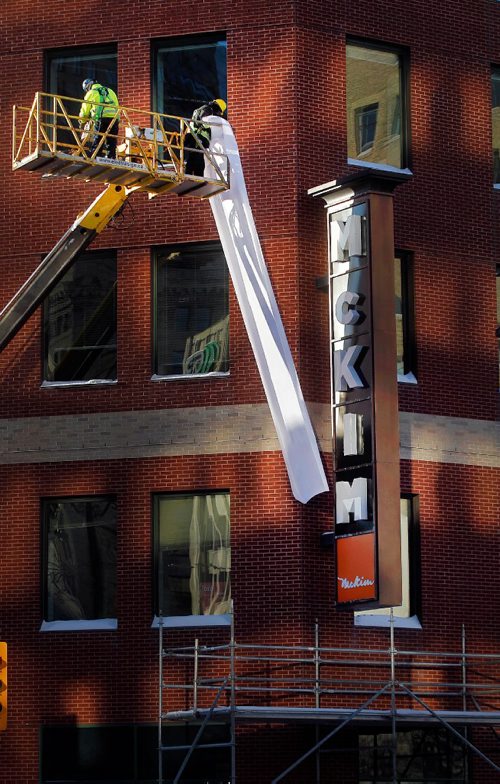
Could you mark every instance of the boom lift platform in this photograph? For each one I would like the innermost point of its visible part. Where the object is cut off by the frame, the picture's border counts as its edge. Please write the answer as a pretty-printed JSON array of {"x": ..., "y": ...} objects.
[{"x": 151, "y": 151}]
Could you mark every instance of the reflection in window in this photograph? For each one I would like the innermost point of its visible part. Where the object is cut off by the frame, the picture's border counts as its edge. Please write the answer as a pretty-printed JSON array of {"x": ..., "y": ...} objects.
[
  {"x": 405, "y": 329},
  {"x": 194, "y": 555},
  {"x": 79, "y": 318},
  {"x": 423, "y": 755},
  {"x": 375, "y": 104},
  {"x": 80, "y": 558},
  {"x": 129, "y": 753},
  {"x": 188, "y": 72},
  {"x": 366, "y": 124},
  {"x": 495, "y": 123},
  {"x": 192, "y": 311},
  {"x": 65, "y": 70}
]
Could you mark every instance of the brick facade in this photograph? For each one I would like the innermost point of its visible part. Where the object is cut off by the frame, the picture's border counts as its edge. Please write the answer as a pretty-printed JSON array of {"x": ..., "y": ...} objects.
[{"x": 286, "y": 103}]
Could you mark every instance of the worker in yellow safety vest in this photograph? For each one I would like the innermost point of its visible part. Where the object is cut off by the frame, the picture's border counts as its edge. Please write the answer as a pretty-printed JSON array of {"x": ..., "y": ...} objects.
[
  {"x": 100, "y": 108},
  {"x": 195, "y": 161}
]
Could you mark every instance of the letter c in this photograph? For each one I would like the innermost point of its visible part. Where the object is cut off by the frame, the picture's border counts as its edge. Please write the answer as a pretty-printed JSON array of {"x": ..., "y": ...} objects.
[{"x": 345, "y": 308}]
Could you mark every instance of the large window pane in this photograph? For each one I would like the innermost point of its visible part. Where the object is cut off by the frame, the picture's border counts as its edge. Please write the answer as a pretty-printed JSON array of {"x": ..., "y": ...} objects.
[
  {"x": 205, "y": 766},
  {"x": 423, "y": 755},
  {"x": 192, "y": 311},
  {"x": 188, "y": 72},
  {"x": 80, "y": 321},
  {"x": 80, "y": 558},
  {"x": 84, "y": 754},
  {"x": 194, "y": 555},
  {"x": 65, "y": 70},
  {"x": 495, "y": 123},
  {"x": 375, "y": 105},
  {"x": 128, "y": 754}
]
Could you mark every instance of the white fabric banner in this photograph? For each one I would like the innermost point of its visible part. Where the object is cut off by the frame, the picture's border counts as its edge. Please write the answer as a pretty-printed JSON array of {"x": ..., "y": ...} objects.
[{"x": 255, "y": 295}]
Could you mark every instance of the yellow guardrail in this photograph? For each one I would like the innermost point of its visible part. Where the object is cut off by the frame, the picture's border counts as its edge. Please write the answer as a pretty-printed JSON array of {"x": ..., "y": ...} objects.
[{"x": 52, "y": 126}]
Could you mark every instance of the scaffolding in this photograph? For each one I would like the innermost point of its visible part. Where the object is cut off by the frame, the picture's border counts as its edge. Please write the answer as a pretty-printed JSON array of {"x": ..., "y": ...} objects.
[{"x": 322, "y": 686}]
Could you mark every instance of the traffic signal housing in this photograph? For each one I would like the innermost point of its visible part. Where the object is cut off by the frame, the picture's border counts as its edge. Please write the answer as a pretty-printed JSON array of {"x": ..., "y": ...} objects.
[{"x": 3, "y": 686}]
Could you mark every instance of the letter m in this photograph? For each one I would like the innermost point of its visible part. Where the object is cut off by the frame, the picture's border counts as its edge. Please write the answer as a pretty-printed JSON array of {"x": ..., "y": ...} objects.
[
  {"x": 346, "y": 238},
  {"x": 352, "y": 498}
]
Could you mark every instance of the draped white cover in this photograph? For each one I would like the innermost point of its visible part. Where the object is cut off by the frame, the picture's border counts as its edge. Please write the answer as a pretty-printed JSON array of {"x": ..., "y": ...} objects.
[{"x": 257, "y": 302}]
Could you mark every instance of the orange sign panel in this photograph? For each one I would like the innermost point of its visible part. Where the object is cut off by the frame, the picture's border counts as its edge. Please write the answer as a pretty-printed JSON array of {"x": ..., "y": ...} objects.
[
  {"x": 356, "y": 568},
  {"x": 3, "y": 686}
]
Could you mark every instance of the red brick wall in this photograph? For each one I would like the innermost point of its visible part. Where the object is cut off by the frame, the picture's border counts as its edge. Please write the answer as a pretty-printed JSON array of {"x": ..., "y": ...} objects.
[
  {"x": 92, "y": 677},
  {"x": 286, "y": 86},
  {"x": 282, "y": 580},
  {"x": 286, "y": 95}
]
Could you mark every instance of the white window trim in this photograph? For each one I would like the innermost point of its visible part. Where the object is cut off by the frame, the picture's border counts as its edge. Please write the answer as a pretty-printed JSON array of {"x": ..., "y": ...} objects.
[
  {"x": 185, "y": 621},
  {"x": 379, "y": 166},
  {"x": 91, "y": 382},
  {"x": 99, "y": 624},
  {"x": 407, "y": 378},
  {"x": 385, "y": 621},
  {"x": 189, "y": 376}
]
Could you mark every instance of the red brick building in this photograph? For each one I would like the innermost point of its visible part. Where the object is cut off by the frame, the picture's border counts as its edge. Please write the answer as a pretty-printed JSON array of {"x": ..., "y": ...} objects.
[{"x": 135, "y": 483}]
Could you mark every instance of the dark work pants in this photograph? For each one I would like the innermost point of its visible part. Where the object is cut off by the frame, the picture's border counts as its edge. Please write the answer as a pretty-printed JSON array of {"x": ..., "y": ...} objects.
[
  {"x": 102, "y": 126},
  {"x": 195, "y": 161}
]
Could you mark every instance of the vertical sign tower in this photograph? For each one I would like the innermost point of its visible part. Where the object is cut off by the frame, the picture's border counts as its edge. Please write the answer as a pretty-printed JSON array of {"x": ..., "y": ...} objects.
[{"x": 364, "y": 388}]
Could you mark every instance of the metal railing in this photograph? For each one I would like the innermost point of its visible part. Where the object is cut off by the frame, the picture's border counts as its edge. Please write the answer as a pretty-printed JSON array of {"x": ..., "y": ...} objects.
[
  {"x": 279, "y": 683},
  {"x": 157, "y": 142},
  {"x": 322, "y": 676}
]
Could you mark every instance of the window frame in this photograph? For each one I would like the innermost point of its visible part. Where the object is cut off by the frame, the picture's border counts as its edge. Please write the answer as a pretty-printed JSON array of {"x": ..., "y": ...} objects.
[
  {"x": 381, "y": 618},
  {"x": 495, "y": 71},
  {"x": 97, "y": 624},
  {"x": 178, "y": 40},
  {"x": 180, "y": 621},
  {"x": 441, "y": 731},
  {"x": 155, "y": 255},
  {"x": 46, "y": 383},
  {"x": 410, "y": 368},
  {"x": 404, "y": 95},
  {"x": 137, "y": 738},
  {"x": 89, "y": 50}
]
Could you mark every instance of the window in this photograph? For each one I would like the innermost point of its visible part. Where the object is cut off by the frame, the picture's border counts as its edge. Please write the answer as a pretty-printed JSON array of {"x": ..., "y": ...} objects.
[
  {"x": 495, "y": 124},
  {"x": 423, "y": 755},
  {"x": 79, "y": 563},
  {"x": 79, "y": 317},
  {"x": 498, "y": 319},
  {"x": 192, "y": 549},
  {"x": 188, "y": 72},
  {"x": 129, "y": 753},
  {"x": 406, "y": 614},
  {"x": 376, "y": 105},
  {"x": 405, "y": 318},
  {"x": 191, "y": 311},
  {"x": 65, "y": 70}
]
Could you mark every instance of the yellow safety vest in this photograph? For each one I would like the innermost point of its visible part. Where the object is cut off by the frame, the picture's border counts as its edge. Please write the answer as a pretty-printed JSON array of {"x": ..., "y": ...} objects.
[{"x": 99, "y": 102}]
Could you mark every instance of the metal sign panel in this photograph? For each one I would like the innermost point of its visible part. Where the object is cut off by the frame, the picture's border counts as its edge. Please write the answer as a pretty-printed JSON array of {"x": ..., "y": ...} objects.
[
  {"x": 352, "y": 400},
  {"x": 364, "y": 390}
]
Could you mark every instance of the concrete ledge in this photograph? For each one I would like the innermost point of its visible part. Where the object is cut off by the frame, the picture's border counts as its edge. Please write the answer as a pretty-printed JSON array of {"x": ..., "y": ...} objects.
[{"x": 224, "y": 429}]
